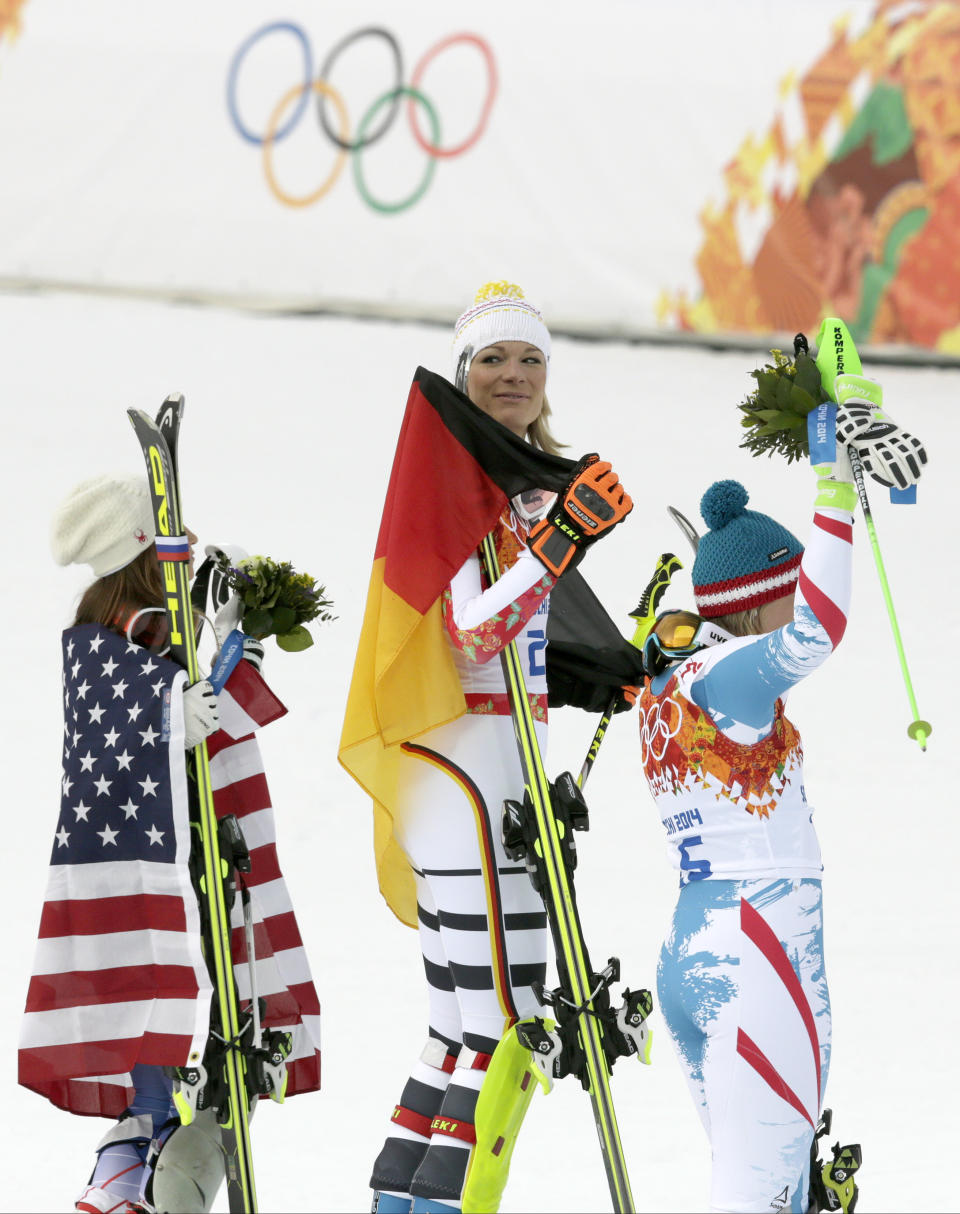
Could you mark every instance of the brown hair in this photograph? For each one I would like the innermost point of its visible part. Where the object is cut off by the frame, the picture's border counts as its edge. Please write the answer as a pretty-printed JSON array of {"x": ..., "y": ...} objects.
[
  {"x": 539, "y": 434},
  {"x": 741, "y": 623},
  {"x": 110, "y": 600}
]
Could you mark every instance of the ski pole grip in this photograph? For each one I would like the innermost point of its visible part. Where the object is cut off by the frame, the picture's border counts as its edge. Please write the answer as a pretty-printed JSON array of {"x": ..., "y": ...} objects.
[
  {"x": 646, "y": 610},
  {"x": 667, "y": 567},
  {"x": 230, "y": 655}
]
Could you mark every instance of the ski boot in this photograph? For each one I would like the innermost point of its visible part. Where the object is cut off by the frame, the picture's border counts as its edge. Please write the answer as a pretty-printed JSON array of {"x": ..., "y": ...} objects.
[
  {"x": 832, "y": 1186},
  {"x": 390, "y": 1203},
  {"x": 114, "y": 1184},
  {"x": 96, "y": 1201}
]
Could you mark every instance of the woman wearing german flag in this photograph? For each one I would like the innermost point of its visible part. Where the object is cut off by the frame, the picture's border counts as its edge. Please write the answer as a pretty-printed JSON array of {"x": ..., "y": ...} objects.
[{"x": 428, "y": 730}]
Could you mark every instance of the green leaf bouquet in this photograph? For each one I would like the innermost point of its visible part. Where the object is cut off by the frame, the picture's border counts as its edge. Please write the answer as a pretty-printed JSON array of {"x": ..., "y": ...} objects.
[
  {"x": 277, "y": 600},
  {"x": 775, "y": 413}
]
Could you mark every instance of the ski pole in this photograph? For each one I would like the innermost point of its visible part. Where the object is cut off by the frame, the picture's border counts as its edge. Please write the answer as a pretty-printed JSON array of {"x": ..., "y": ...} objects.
[
  {"x": 918, "y": 729},
  {"x": 645, "y": 613},
  {"x": 589, "y": 761}
]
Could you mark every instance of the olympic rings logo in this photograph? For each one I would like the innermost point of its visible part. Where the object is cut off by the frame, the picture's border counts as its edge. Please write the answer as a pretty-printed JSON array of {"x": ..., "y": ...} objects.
[
  {"x": 373, "y": 125},
  {"x": 657, "y": 726}
]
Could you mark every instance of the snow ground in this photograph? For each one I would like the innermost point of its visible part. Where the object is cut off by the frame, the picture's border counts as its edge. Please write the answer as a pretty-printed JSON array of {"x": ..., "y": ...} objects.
[{"x": 289, "y": 433}]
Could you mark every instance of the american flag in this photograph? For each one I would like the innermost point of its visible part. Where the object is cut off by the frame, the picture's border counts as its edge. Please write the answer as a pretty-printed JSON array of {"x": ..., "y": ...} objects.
[
  {"x": 240, "y": 787},
  {"x": 119, "y": 976}
]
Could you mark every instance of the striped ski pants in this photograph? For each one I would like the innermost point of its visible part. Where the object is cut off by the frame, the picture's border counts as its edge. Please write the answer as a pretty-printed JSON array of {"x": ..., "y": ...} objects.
[{"x": 483, "y": 936}]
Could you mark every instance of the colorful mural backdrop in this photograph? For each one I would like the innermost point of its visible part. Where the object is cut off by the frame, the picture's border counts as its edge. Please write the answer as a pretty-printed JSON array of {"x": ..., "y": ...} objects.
[
  {"x": 346, "y": 163},
  {"x": 10, "y": 18},
  {"x": 849, "y": 204}
]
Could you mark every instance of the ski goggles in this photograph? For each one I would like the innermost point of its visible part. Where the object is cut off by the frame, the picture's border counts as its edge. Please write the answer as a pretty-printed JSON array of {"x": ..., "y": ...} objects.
[
  {"x": 532, "y": 504},
  {"x": 677, "y": 635},
  {"x": 149, "y": 629}
]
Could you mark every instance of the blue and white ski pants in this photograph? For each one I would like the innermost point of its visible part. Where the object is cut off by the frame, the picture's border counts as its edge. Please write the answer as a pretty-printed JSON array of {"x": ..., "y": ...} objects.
[{"x": 743, "y": 990}]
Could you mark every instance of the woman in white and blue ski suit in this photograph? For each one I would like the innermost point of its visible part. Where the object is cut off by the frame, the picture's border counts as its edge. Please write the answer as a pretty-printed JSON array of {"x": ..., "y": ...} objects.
[{"x": 742, "y": 983}]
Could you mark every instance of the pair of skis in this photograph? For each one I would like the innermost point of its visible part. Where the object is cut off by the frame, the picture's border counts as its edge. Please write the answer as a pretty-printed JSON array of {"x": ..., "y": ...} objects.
[
  {"x": 240, "y": 1060},
  {"x": 589, "y": 1035}
]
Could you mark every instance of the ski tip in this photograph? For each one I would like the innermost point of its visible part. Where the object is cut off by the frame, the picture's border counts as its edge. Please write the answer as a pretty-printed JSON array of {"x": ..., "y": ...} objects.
[{"x": 685, "y": 526}]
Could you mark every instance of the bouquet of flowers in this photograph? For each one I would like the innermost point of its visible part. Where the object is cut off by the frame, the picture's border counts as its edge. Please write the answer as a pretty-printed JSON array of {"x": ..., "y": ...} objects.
[
  {"x": 277, "y": 601},
  {"x": 775, "y": 413}
]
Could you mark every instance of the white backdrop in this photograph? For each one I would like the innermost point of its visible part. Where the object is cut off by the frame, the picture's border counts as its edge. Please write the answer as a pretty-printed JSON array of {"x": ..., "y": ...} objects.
[{"x": 608, "y": 135}]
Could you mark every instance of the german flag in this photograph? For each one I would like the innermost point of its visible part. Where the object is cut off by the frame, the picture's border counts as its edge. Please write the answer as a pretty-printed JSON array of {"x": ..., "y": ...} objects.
[{"x": 454, "y": 470}]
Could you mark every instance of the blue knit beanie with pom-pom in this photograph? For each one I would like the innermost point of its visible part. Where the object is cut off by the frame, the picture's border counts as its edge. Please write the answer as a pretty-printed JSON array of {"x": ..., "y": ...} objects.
[{"x": 745, "y": 559}]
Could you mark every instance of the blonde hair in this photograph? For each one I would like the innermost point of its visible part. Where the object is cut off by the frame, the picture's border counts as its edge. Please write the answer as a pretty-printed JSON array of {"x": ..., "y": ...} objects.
[
  {"x": 540, "y": 435},
  {"x": 741, "y": 623}
]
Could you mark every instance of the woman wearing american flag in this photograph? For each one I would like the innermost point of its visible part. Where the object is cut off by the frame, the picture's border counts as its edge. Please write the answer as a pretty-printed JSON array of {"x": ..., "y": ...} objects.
[{"x": 120, "y": 995}]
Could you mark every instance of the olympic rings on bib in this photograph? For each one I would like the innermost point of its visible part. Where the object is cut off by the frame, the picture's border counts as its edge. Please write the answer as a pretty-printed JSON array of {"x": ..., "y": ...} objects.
[
  {"x": 384, "y": 110},
  {"x": 658, "y": 725}
]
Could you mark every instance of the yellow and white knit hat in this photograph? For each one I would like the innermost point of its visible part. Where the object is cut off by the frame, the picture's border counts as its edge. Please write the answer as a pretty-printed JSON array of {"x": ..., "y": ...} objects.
[{"x": 499, "y": 313}]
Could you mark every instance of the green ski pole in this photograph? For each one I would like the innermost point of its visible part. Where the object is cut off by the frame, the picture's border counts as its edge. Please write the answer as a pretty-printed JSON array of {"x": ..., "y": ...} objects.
[{"x": 918, "y": 729}]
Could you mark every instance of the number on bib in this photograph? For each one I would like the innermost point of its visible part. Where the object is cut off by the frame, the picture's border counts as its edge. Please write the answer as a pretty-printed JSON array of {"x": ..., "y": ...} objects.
[
  {"x": 538, "y": 643},
  {"x": 692, "y": 870}
]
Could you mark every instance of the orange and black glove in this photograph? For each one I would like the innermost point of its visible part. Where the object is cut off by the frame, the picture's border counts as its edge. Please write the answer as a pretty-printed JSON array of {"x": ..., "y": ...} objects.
[{"x": 591, "y": 506}]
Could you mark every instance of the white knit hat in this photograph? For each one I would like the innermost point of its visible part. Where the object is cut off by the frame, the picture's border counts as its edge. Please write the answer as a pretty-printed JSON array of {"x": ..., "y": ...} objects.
[
  {"x": 105, "y": 523},
  {"x": 499, "y": 313}
]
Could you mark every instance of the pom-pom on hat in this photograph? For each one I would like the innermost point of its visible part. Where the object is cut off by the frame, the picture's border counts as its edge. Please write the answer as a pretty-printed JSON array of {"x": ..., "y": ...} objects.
[
  {"x": 746, "y": 559},
  {"x": 499, "y": 313},
  {"x": 105, "y": 523}
]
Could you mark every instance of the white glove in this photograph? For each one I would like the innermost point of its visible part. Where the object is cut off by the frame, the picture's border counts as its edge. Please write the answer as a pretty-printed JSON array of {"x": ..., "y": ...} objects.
[
  {"x": 253, "y": 651},
  {"x": 228, "y": 618},
  {"x": 890, "y": 455},
  {"x": 201, "y": 713},
  {"x": 228, "y": 607}
]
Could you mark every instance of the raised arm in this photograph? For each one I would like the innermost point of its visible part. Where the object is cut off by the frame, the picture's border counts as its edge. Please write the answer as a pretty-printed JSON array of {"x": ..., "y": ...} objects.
[{"x": 741, "y": 682}]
